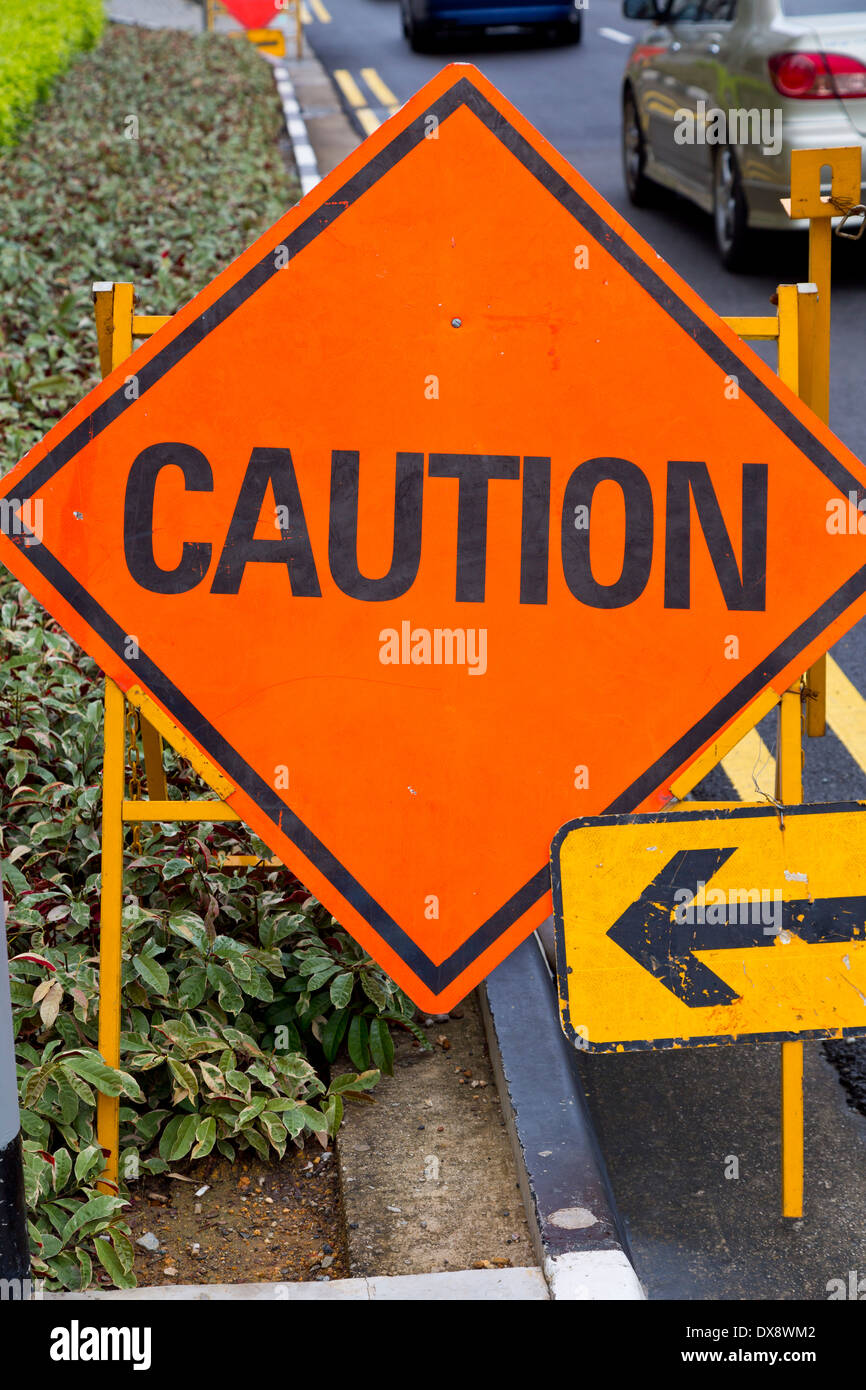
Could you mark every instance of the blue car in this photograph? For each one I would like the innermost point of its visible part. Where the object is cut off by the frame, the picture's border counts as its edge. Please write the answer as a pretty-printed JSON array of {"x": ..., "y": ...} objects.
[{"x": 426, "y": 20}]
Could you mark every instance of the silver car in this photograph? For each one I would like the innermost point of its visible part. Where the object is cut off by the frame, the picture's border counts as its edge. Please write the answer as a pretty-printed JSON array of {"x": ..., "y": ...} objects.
[{"x": 717, "y": 93}]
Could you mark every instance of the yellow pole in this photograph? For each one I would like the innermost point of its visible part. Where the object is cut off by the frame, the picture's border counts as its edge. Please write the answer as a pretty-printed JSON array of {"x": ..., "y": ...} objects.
[
  {"x": 820, "y": 234},
  {"x": 804, "y": 364},
  {"x": 816, "y": 393},
  {"x": 299, "y": 33},
  {"x": 789, "y": 791},
  {"x": 122, "y": 307},
  {"x": 114, "y": 308},
  {"x": 110, "y": 926},
  {"x": 793, "y": 1121},
  {"x": 151, "y": 742}
]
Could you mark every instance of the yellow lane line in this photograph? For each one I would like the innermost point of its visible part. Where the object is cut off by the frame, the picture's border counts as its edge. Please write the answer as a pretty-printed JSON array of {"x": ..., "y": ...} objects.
[
  {"x": 846, "y": 712},
  {"x": 320, "y": 11},
  {"x": 306, "y": 17},
  {"x": 349, "y": 87},
  {"x": 751, "y": 768},
  {"x": 846, "y": 715},
  {"x": 368, "y": 121},
  {"x": 381, "y": 91}
]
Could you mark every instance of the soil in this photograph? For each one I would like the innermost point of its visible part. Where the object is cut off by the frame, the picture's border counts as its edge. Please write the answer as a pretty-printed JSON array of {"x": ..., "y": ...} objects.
[
  {"x": 429, "y": 1179},
  {"x": 256, "y": 1222}
]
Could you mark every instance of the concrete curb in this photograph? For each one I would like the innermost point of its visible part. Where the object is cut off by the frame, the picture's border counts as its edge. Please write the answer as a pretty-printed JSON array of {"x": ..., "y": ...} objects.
[
  {"x": 305, "y": 156},
  {"x": 580, "y": 1244},
  {"x": 461, "y": 1285}
]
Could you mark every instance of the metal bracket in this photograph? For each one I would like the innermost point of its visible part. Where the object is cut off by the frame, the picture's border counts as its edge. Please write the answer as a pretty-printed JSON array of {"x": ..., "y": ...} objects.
[
  {"x": 180, "y": 742},
  {"x": 806, "y": 199}
]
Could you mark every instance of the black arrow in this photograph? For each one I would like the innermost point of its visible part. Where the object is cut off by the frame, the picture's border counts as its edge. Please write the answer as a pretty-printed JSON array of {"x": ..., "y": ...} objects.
[{"x": 650, "y": 934}]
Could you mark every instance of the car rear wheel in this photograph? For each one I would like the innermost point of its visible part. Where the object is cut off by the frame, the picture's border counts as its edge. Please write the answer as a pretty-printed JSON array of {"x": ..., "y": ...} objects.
[
  {"x": 642, "y": 192},
  {"x": 730, "y": 214}
]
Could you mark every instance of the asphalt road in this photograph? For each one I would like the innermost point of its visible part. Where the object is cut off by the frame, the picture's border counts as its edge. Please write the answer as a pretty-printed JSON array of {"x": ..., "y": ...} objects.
[{"x": 669, "y": 1122}]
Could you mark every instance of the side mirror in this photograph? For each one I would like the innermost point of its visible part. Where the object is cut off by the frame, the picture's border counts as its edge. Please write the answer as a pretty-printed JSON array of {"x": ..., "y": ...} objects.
[{"x": 641, "y": 9}]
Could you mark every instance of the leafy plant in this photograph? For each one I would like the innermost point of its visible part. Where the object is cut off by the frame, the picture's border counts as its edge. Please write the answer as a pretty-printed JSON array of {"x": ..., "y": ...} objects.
[
  {"x": 156, "y": 159},
  {"x": 337, "y": 981},
  {"x": 35, "y": 46},
  {"x": 239, "y": 989},
  {"x": 62, "y": 1159}
]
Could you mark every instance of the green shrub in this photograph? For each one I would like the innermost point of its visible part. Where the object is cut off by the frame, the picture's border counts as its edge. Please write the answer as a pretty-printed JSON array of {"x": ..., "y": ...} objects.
[
  {"x": 239, "y": 990},
  {"x": 82, "y": 202},
  {"x": 37, "y": 41}
]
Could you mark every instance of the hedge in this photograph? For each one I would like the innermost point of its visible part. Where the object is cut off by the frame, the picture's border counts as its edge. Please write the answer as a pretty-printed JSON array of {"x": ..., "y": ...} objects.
[
  {"x": 240, "y": 991},
  {"x": 37, "y": 41}
]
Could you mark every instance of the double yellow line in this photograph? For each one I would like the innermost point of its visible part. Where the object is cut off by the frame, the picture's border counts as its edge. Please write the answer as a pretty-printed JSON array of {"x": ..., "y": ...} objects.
[
  {"x": 382, "y": 94},
  {"x": 319, "y": 11},
  {"x": 751, "y": 767}
]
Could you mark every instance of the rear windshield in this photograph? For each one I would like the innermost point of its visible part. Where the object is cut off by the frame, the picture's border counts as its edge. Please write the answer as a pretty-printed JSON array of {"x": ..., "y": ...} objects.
[{"x": 805, "y": 8}]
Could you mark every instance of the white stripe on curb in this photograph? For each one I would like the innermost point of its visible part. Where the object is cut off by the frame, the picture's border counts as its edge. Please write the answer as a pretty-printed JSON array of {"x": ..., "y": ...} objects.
[
  {"x": 592, "y": 1275},
  {"x": 305, "y": 155}
]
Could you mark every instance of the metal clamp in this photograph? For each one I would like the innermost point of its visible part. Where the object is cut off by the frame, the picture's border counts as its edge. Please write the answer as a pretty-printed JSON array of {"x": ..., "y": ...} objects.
[{"x": 859, "y": 210}]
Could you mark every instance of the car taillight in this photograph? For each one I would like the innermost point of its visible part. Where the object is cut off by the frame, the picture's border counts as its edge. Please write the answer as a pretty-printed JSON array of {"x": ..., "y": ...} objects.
[{"x": 813, "y": 76}]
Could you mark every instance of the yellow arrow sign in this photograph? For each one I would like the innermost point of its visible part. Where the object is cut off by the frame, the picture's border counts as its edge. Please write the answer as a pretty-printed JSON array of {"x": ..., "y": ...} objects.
[
  {"x": 729, "y": 925},
  {"x": 272, "y": 41}
]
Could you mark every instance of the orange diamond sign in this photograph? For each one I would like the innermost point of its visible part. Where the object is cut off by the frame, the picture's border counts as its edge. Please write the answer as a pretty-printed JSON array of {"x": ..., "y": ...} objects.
[{"x": 445, "y": 515}]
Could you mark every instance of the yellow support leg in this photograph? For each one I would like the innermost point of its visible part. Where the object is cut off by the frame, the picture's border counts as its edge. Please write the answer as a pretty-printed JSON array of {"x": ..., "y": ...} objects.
[
  {"x": 789, "y": 760},
  {"x": 792, "y": 1129},
  {"x": 816, "y": 705},
  {"x": 116, "y": 325},
  {"x": 817, "y": 395},
  {"x": 122, "y": 305},
  {"x": 789, "y": 791},
  {"x": 808, "y": 200},
  {"x": 154, "y": 771},
  {"x": 788, "y": 299},
  {"x": 820, "y": 233},
  {"x": 803, "y": 355},
  {"x": 110, "y": 924}
]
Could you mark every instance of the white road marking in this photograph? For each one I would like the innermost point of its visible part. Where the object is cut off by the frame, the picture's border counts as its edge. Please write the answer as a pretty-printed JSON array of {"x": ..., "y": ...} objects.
[
  {"x": 617, "y": 35},
  {"x": 305, "y": 155}
]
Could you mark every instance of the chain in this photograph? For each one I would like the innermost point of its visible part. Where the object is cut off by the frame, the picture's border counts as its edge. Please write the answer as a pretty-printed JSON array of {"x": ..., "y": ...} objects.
[
  {"x": 849, "y": 209},
  {"x": 135, "y": 780}
]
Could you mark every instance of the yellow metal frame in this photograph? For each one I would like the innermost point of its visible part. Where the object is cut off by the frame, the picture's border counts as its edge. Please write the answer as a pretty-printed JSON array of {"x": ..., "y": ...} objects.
[
  {"x": 117, "y": 325},
  {"x": 801, "y": 327}
]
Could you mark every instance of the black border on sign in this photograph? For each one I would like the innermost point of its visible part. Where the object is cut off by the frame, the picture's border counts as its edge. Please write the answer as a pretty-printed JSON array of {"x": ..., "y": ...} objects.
[
  {"x": 462, "y": 94},
  {"x": 720, "y": 813}
]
